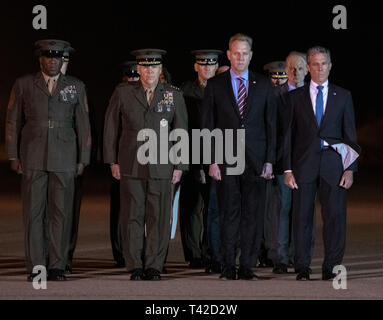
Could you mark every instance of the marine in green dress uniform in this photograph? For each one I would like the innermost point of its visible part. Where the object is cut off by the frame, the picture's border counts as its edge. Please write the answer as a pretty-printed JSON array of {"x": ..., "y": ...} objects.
[
  {"x": 48, "y": 142},
  {"x": 145, "y": 189}
]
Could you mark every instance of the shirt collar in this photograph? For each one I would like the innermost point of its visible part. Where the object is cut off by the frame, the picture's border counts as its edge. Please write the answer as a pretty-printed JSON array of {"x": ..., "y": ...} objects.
[
  {"x": 46, "y": 77},
  {"x": 235, "y": 76},
  {"x": 313, "y": 85}
]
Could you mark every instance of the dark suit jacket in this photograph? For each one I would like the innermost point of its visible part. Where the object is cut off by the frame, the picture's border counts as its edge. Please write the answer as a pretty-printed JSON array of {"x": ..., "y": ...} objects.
[
  {"x": 128, "y": 107},
  {"x": 220, "y": 110},
  {"x": 302, "y": 152},
  {"x": 28, "y": 136}
]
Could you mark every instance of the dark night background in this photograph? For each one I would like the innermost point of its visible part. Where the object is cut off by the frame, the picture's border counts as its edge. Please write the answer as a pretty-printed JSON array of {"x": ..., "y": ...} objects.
[{"x": 104, "y": 33}]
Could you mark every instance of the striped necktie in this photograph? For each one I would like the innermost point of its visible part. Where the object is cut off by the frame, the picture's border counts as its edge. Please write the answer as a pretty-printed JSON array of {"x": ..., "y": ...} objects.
[{"x": 242, "y": 96}]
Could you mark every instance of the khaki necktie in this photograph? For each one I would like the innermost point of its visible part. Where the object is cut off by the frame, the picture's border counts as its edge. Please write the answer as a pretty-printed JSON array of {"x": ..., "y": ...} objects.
[
  {"x": 51, "y": 85},
  {"x": 149, "y": 96}
]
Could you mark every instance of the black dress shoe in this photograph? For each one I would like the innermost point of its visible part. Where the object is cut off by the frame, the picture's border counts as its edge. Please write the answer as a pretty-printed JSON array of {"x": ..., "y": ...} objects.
[
  {"x": 246, "y": 274},
  {"x": 68, "y": 269},
  {"x": 152, "y": 274},
  {"x": 328, "y": 275},
  {"x": 265, "y": 263},
  {"x": 32, "y": 276},
  {"x": 196, "y": 263},
  {"x": 303, "y": 275},
  {"x": 120, "y": 263},
  {"x": 137, "y": 274},
  {"x": 214, "y": 267},
  {"x": 280, "y": 268},
  {"x": 56, "y": 275},
  {"x": 229, "y": 273},
  {"x": 309, "y": 269}
]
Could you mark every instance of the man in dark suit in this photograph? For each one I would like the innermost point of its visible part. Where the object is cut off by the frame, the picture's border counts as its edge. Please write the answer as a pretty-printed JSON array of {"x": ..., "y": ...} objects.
[
  {"x": 141, "y": 110},
  {"x": 319, "y": 114},
  {"x": 240, "y": 99},
  {"x": 279, "y": 204},
  {"x": 48, "y": 141}
]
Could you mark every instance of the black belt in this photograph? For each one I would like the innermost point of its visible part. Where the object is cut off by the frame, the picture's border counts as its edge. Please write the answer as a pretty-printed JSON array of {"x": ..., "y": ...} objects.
[{"x": 51, "y": 123}]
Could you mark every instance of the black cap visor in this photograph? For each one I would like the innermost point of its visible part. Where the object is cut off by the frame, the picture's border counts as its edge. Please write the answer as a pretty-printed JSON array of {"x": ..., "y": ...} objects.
[{"x": 52, "y": 53}]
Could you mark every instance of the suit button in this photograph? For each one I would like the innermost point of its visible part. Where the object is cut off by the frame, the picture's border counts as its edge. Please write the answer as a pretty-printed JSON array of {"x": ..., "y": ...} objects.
[{"x": 242, "y": 125}]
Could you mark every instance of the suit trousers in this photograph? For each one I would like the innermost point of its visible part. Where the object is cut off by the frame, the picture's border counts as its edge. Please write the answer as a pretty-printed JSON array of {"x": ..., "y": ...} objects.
[
  {"x": 333, "y": 210},
  {"x": 241, "y": 203},
  {"x": 145, "y": 203},
  {"x": 47, "y": 214},
  {"x": 213, "y": 225}
]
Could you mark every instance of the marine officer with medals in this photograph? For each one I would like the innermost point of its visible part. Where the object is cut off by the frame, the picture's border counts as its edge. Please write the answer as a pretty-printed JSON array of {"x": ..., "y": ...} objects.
[
  {"x": 48, "y": 142},
  {"x": 145, "y": 189}
]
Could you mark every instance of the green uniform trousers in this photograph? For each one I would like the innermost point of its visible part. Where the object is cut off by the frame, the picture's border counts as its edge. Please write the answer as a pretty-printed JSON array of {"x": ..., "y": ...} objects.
[
  {"x": 145, "y": 203},
  {"x": 47, "y": 213}
]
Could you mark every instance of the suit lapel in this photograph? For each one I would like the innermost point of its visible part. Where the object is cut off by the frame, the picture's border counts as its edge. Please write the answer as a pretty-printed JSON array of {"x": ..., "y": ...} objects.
[
  {"x": 330, "y": 105},
  {"x": 158, "y": 95},
  {"x": 40, "y": 83},
  {"x": 252, "y": 88},
  {"x": 140, "y": 95},
  {"x": 308, "y": 106},
  {"x": 231, "y": 93}
]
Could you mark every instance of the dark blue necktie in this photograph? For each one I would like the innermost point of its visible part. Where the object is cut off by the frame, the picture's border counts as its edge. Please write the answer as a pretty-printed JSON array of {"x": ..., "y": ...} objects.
[
  {"x": 319, "y": 105},
  {"x": 319, "y": 108}
]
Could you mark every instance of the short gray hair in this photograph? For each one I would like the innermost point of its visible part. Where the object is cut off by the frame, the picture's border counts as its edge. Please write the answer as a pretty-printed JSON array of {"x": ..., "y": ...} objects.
[
  {"x": 241, "y": 37},
  {"x": 297, "y": 54},
  {"x": 316, "y": 50}
]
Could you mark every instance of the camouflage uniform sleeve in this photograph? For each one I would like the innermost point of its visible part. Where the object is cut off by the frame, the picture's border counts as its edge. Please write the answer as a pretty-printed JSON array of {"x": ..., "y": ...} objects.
[
  {"x": 181, "y": 122},
  {"x": 111, "y": 128},
  {"x": 84, "y": 139},
  {"x": 14, "y": 120}
]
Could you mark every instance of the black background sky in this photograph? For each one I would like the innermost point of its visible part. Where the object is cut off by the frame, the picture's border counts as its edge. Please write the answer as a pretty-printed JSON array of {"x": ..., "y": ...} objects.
[{"x": 103, "y": 33}]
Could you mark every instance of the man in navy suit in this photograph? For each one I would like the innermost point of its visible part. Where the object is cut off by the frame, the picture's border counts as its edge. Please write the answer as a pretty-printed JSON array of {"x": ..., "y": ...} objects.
[
  {"x": 320, "y": 114},
  {"x": 240, "y": 99}
]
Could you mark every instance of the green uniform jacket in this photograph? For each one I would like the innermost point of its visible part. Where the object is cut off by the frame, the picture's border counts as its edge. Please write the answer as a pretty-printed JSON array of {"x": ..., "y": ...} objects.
[
  {"x": 49, "y": 133},
  {"x": 129, "y": 107}
]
